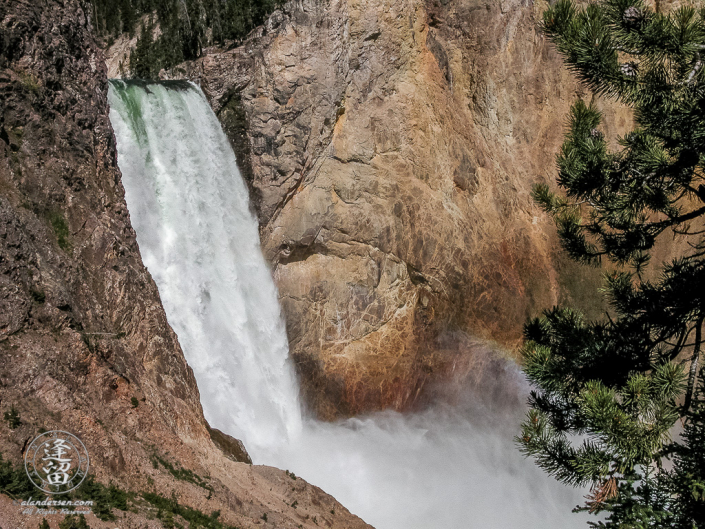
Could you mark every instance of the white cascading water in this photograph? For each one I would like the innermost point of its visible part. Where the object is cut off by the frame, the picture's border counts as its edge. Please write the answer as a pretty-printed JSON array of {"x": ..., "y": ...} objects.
[
  {"x": 447, "y": 467},
  {"x": 190, "y": 210}
]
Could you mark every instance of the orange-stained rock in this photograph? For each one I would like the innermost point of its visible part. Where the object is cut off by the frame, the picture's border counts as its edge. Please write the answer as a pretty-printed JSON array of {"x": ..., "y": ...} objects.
[{"x": 390, "y": 148}]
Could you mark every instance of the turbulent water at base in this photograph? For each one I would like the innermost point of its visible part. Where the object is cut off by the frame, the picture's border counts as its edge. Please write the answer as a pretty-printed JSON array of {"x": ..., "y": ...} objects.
[{"x": 450, "y": 467}]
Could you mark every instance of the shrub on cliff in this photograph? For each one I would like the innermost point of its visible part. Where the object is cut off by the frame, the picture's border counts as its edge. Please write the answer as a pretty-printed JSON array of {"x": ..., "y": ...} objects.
[
  {"x": 12, "y": 418},
  {"x": 14, "y": 481},
  {"x": 72, "y": 521},
  {"x": 610, "y": 394}
]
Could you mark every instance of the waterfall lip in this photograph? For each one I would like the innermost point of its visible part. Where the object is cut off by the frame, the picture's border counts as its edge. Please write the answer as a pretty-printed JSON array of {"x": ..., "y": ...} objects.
[{"x": 172, "y": 84}]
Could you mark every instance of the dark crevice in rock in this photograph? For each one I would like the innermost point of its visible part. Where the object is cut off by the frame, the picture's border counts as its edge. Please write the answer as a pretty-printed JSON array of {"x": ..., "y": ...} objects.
[
  {"x": 292, "y": 253},
  {"x": 417, "y": 278},
  {"x": 440, "y": 54},
  {"x": 233, "y": 118}
]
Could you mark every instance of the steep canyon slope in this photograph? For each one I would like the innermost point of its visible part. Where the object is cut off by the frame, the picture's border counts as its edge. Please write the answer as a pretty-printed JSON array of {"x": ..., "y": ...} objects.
[
  {"x": 84, "y": 342},
  {"x": 390, "y": 148}
]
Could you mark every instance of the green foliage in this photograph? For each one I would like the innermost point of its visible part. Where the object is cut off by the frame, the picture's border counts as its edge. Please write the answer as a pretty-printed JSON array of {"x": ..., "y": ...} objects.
[
  {"x": 13, "y": 418},
  {"x": 44, "y": 524},
  {"x": 180, "y": 473},
  {"x": 134, "y": 402},
  {"x": 61, "y": 230},
  {"x": 687, "y": 479},
  {"x": 105, "y": 498},
  {"x": 185, "y": 27},
  {"x": 609, "y": 392},
  {"x": 170, "y": 507},
  {"x": 73, "y": 521},
  {"x": 29, "y": 82},
  {"x": 651, "y": 64},
  {"x": 167, "y": 519},
  {"x": 38, "y": 295},
  {"x": 146, "y": 59},
  {"x": 14, "y": 481}
]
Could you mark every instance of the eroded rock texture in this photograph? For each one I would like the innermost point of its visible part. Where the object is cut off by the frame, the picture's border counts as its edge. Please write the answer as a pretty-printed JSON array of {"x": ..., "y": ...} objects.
[
  {"x": 390, "y": 148},
  {"x": 84, "y": 341}
]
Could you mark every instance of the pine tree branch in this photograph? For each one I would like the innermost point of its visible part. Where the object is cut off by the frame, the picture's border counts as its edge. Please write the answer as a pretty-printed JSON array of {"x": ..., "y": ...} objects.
[
  {"x": 696, "y": 68},
  {"x": 679, "y": 345},
  {"x": 682, "y": 346},
  {"x": 691, "y": 189},
  {"x": 686, "y": 232},
  {"x": 677, "y": 220},
  {"x": 695, "y": 255},
  {"x": 693, "y": 366}
]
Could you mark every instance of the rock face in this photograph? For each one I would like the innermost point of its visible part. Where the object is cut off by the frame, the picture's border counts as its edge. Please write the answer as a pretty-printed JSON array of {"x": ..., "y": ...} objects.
[
  {"x": 391, "y": 148},
  {"x": 84, "y": 342}
]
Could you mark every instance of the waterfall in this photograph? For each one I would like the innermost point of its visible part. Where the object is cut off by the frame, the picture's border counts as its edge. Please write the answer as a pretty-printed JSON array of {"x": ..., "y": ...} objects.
[
  {"x": 199, "y": 240},
  {"x": 452, "y": 467}
]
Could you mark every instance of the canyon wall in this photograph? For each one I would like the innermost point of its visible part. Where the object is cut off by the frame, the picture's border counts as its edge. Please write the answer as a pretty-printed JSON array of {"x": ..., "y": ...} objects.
[
  {"x": 390, "y": 148},
  {"x": 84, "y": 342}
]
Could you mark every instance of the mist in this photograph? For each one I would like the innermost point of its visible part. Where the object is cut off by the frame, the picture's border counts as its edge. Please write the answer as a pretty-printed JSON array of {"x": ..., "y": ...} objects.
[{"x": 449, "y": 466}]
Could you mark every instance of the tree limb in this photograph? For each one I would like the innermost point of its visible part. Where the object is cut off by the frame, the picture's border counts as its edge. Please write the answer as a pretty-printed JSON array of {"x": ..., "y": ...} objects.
[{"x": 693, "y": 365}]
